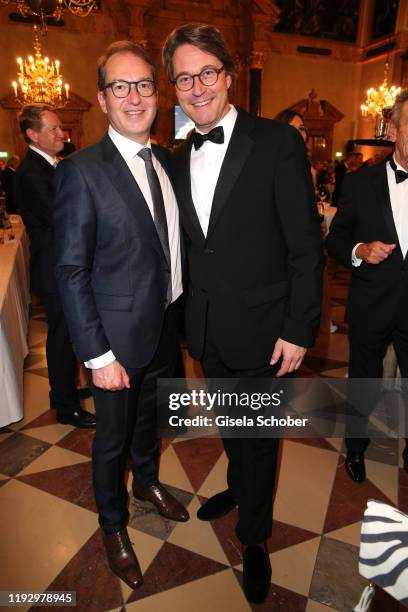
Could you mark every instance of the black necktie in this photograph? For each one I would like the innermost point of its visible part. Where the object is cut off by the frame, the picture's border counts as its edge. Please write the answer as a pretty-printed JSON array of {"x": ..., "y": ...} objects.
[
  {"x": 216, "y": 135},
  {"x": 400, "y": 175},
  {"x": 159, "y": 212}
]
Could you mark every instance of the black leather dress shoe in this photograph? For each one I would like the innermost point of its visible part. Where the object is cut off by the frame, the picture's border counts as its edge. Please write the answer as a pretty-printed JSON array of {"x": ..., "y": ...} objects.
[
  {"x": 218, "y": 505},
  {"x": 257, "y": 574},
  {"x": 355, "y": 467},
  {"x": 84, "y": 393},
  {"x": 79, "y": 418},
  {"x": 166, "y": 504}
]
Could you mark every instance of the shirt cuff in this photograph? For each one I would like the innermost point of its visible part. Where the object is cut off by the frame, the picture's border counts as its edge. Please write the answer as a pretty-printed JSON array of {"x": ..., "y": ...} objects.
[
  {"x": 356, "y": 261},
  {"x": 99, "y": 362}
]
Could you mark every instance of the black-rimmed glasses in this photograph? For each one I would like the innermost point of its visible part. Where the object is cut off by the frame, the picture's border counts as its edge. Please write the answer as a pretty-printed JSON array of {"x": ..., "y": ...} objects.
[
  {"x": 208, "y": 76},
  {"x": 121, "y": 89}
]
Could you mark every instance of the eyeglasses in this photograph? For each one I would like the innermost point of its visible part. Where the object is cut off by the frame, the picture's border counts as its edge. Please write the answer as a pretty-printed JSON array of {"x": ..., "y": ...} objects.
[
  {"x": 208, "y": 76},
  {"x": 121, "y": 89}
]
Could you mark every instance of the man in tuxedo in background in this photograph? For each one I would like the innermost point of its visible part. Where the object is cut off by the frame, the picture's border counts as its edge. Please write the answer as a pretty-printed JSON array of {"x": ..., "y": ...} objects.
[
  {"x": 119, "y": 271},
  {"x": 352, "y": 163},
  {"x": 34, "y": 193},
  {"x": 369, "y": 234},
  {"x": 254, "y": 251},
  {"x": 7, "y": 183}
]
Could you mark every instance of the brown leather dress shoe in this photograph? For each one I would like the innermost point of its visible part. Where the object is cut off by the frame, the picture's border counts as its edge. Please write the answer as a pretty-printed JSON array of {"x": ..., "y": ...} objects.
[
  {"x": 122, "y": 559},
  {"x": 166, "y": 504}
]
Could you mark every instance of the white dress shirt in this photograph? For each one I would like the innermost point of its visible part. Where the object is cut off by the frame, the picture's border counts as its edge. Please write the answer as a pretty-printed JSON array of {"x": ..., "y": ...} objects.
[
  {"x": 399, "y": 206},
  {"x": 129, "y": 150},
  {"x": 205, "y": 166},
  {"x": 49, "y": 158}
]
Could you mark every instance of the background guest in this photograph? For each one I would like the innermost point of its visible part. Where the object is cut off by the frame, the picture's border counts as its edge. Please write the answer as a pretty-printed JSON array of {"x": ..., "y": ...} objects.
[
  {"x": 34, "y": 193},
  {"x": 7, "y": 183}
]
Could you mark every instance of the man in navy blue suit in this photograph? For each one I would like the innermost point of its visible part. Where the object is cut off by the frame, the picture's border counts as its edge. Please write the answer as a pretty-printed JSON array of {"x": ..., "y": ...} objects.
[
  {"x": 34, "y": 193},
  {"x": 119, "y": 272}
]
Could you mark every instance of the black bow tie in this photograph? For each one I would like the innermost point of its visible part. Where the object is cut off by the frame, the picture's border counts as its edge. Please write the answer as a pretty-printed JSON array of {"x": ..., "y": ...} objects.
[
  {"x": 216, "y": 135},
  {"x": 400, "y": 175}
]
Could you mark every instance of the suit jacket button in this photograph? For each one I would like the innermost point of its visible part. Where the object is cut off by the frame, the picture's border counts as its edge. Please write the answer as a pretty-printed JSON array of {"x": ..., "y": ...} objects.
[{"x": 209, "y": 251}]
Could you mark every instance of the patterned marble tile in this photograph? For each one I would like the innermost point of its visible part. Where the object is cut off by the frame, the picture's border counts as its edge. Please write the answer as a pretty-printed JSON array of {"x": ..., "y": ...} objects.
[
  {"x": 43, "y": 372},
  {"x": 198, "y": 536},
  {"x": 348, "y": 499},
  {"x": 306, "y": 474},
  {"x": 171, "y": 470},
  {"x": 48, "y": 417},
  {"x": 18, "y": 451},
  {"x": 72, "y": 483},
  {"x": 54, "y": 457},
  {"x": 50, "y": 532},
  {"x": 216, "y": 481},
  {"x": 198, "y": 457},
  {"x": 34, "y": 360},
  {"x": 384, "y": 450},
  {"x": 224, "y": 528},
  {"x": 219, "y": 592},
  {"x": 336, "y": 580},
  {"x": 172, "y": 567},
  {"x": 5, "y": 435},
  {"x": 49, "y": 433},
  {"x": 384, "y": 477},
  {"x": 348, "y": 535},
  {"x": 292, "y": 567},
  {"x": 87, "y": 573},
  {"x": 284, "y": 535},
  {"x": 78, "y": 440}
]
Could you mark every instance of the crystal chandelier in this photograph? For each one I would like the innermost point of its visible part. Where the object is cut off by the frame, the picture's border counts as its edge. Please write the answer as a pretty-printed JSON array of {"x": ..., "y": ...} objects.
[
  {"x": 52, "y": 8},
  {"x": 379, "y": 99},
  {"x": 39, "y": 79}
]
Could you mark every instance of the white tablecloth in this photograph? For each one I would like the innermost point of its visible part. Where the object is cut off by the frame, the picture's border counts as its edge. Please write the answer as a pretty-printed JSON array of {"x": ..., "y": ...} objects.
[{"x": 14, "y": 300}]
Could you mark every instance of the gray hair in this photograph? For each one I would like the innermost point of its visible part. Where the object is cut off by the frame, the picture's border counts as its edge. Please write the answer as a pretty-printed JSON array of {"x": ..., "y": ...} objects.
[{"x": 397, "y": 108}]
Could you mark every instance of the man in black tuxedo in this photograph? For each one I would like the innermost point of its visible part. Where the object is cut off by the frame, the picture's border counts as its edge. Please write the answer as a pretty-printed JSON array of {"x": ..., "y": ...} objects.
[
  {"x": 254, "y": 252},
  {"x": 369, "y": 234},
  {"x": 119, "y": 271},
  {"x": 352, "y": 163},
  {"x": 34, "y": 192},
  {"x": 7, "y": 183}
]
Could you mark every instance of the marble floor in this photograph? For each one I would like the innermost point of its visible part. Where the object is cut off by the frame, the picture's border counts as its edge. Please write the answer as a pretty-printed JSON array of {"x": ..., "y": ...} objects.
[{"x": 49, "y": 531}]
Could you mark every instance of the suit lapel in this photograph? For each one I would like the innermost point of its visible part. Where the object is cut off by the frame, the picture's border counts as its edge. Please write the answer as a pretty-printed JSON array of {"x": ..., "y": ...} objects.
[
  {"x": 381, "y": 187},
  {"x": 185, "y": 197},
  {"x": 238, "y": 151},
  {"x": 36, "y": 158},
  {"x": 125, "y": 184}
]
